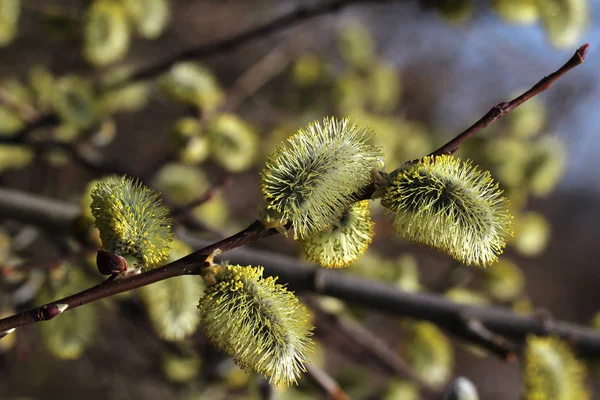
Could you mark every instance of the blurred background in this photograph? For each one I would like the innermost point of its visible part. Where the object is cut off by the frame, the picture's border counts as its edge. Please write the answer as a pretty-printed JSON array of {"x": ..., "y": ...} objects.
[{"x": 75, "y": 107}]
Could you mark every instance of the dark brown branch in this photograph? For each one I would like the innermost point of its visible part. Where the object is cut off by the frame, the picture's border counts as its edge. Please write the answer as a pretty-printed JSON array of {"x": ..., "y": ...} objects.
[
  {"x": 301, "y": 277},
  {"x": 475, "y": 332},
  {"x": 500, "y": 110},
  {"x": 191, "y": 264}
]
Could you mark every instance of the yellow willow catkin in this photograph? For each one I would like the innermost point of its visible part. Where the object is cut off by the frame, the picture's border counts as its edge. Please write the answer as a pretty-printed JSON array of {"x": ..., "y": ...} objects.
[
  {"x": 258, "y": 322},
  {"x": 319, "y": 172},
  {"x": 552, "y": 371},
  {"x": 344, "y": 241},
  {"x": 450, "y": 205},
  {"x": 132, "y": 221}
]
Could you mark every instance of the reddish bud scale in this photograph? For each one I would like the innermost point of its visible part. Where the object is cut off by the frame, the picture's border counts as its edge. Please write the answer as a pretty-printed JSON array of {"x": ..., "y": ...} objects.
[{"x": 109, "y": 263}]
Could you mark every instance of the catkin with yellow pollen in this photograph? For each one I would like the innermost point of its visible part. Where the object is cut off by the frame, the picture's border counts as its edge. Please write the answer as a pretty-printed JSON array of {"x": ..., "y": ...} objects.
[
  {"x": 450, "y": 205},
  {"x": 312, "y": 178},
  {"x": 258, "y": 322},
  {"x": 552, "y": 371},
  {"x": 344, "y": 241},
  {"x": 132, "y": 221}
]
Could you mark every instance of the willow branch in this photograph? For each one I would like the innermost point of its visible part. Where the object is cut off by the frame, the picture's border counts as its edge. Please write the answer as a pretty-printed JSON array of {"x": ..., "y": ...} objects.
[
  {"x": 305, "y": 278},
  {"x": 50, "y": 214},
  {"x": 188, "y": 265},
  {"x": 324, "y": 381},
  {"x": 500, "y": 110}
]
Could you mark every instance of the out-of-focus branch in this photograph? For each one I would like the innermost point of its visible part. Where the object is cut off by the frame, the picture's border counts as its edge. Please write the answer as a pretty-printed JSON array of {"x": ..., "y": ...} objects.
[
  {"x": 500, "y": 110},
  {"x": 45, "y": 212},
  {"x": 363, "y": 341},
  {"x": 326, "y": 383},
  {"x": 305, "y": 278}
]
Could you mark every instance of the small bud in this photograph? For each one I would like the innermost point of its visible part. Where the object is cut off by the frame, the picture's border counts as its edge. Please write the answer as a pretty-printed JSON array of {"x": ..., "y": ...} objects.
[
  {"x": 109, "y": 263},
  {"x": 258, "y": 322},
  {"x": 310, "y": 181},
  {"x": 451, "y": 206},
  {"x": 48, "y": 312},
  {"x": 343, "y": 242},
  {"x": 552, "y": 371}
]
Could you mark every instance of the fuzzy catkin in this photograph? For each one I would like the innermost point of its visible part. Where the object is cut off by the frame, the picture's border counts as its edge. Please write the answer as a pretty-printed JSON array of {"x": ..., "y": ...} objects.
[
  {"x": 344, "y": 241},
  {"x": 552, "y": 371},
  {"x": 450, "y": 205},
  {"x": 132, "y": 221},
  {"x": 258, "y": 322},
  {"x": 321, "y": 170}
]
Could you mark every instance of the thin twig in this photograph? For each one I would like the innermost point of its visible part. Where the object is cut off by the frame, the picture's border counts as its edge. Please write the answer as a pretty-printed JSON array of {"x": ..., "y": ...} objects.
[
  {"x": 475, "y": 332},
  {"x": 323, "y": 380},
  {"x": 189, "y": 265},
  {"x": 500, "y": 110}
]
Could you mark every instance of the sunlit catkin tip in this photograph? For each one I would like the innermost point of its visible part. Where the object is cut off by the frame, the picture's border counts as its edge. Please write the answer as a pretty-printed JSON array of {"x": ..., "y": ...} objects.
[
  {"x": 344, "y": 241},
  {"x": 310, "y": 179},
  {"x": 552, "y": 371},
  {"x": 258, "y": 322},
  {"x": 450, "y": 205},
  {"x": 132, "y": 221}
]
